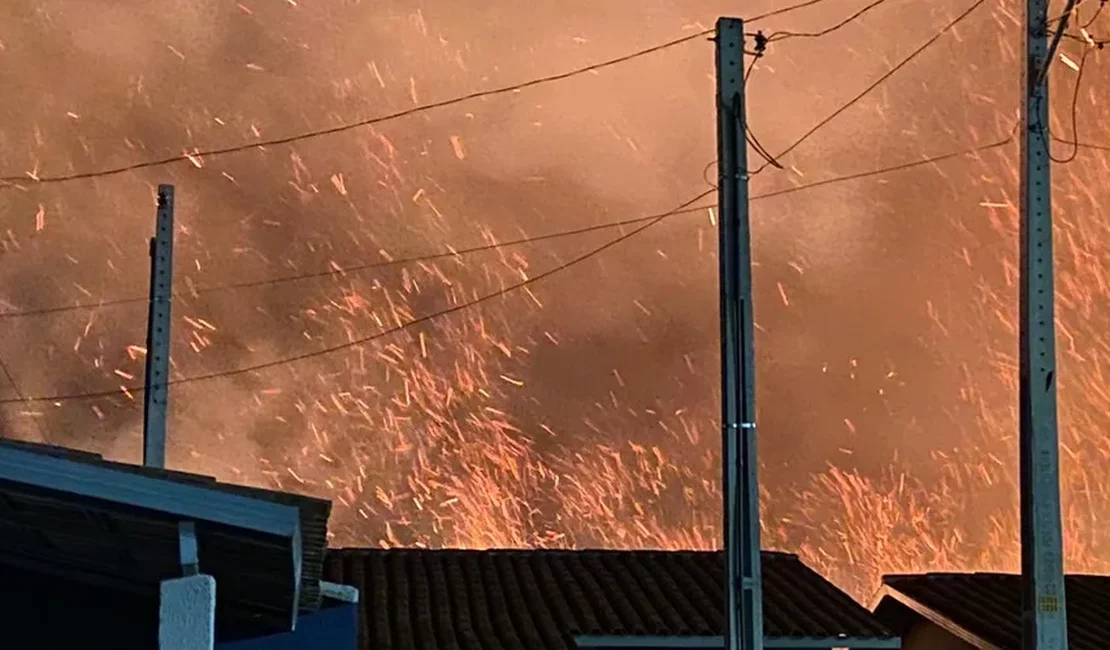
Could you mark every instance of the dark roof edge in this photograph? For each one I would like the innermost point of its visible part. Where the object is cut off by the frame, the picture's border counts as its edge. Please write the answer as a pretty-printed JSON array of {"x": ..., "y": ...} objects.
[
  {"x": 931, "y": 615},
  {"x": 965, "y": 574},
  {"x": 616, "y": 642},
  {"x": 416, "y": 549},
  {"x": 847, "y": 598},
  {"x": 190, "y": 501}
]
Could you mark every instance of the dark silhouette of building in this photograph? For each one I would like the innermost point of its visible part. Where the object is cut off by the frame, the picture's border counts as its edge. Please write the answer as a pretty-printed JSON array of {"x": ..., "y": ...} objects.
[
  {"x": 982, "y": 611},
  {"x": 417, "y": 599}
]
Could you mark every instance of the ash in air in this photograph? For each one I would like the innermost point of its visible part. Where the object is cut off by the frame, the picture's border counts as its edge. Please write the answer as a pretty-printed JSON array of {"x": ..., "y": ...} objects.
[{"x": 581, "y": 411}]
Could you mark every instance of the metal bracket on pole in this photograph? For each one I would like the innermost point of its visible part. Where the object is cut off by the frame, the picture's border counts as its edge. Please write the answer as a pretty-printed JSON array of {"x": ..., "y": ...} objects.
[
  {"x": 158, "y": 333},
  {"x": 743, "y": 586},
  {"x": 1042, "y": 562}
]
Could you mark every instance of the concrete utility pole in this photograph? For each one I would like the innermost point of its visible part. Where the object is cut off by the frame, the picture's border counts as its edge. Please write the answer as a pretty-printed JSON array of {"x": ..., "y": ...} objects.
[
  {"x": 744, "y": 588},
  {"x": 158, "y": 333},
  {"x": 1042, "y": 562}
]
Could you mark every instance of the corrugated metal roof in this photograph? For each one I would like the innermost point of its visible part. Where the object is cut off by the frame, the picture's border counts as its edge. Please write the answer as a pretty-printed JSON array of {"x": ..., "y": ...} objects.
[
  {"x": 416, "y": 599},
  {"x": 117, "y": 546},
  {"x": 988, "y": 605}
]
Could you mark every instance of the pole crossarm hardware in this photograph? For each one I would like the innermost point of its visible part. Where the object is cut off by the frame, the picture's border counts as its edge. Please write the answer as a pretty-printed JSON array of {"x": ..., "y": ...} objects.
[
  {"x": 744, "y": 586},
  {"x": 1044, "y": 612}
]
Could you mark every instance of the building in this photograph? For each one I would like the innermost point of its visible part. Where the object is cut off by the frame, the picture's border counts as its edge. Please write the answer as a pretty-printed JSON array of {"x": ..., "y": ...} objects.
[
  {"x": 95, "y": 553},
  {"x": 108, "y": 555},
  {"x": 982, "y": 611},
  {"x": 416, "y": 599}
]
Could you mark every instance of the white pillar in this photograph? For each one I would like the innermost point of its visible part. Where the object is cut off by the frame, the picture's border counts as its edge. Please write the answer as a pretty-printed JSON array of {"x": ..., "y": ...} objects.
[{"x": 187, "y": 614}]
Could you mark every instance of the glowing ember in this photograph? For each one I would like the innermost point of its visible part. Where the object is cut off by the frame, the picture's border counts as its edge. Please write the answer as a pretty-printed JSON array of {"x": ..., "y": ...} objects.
[{"x": 582, "y": 411}]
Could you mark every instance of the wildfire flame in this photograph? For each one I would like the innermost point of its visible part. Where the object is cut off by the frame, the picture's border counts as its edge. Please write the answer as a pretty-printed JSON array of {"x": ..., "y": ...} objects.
[{"x": 580, "y": 414}]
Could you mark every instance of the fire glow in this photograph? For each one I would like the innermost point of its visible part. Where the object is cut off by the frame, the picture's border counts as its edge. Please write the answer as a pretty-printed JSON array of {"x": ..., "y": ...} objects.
[{"x": 581, "y": 411}]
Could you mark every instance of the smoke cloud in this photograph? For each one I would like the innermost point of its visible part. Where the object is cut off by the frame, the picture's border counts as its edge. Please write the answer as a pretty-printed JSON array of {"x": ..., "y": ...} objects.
[{"x": 583, "y": 410}]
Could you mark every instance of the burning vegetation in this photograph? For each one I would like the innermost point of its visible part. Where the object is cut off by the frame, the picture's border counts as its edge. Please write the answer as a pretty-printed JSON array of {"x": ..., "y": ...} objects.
[{"x": 580, "y": 410}]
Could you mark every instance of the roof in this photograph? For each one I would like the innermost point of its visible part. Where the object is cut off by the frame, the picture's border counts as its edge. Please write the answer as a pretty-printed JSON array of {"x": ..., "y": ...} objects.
[
  {"x": 418, "y": 599},
  {"x": 987, "y": 606},
  {"x": 77, "y": 516}
]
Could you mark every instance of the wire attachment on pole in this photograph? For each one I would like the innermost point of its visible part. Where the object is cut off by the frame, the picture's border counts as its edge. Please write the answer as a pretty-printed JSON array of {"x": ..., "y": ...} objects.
[{"x": 760, "y": 43}]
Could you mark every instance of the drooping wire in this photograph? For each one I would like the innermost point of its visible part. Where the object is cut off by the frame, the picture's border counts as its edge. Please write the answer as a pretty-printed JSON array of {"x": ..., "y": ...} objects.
[
  {"x": 783, "y": 35},
  {"x": 389, "y": 331},
  {"x": 645, "y": 223},
  {"x": 15, "y": 388},
  {"x": 705, "y": 173},
  {"x": 13, "y": 181},
  {"x": 419, "y": 258},
  {"x": 1090, "y": 44},
  {"x": 1060, "y": 17},
  {"x": 749, "y": 135},
  {"x": 1074, "y": 114},
  {"x": 332, "y": 272},
  {"x": 1055, "y": 44},
  {"x": 894, "y": 168},
  {"x": 1094, "y": 16},
  {"x": 881, "y": 80},
  {"x": 456, "y": 308},
  {"x": 783, "y": 10},
  {"x": 451, "y": 253}
]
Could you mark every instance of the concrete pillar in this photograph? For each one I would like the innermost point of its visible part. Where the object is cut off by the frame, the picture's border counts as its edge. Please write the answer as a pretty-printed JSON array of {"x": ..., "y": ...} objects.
[{"x": 187, "y": 616}]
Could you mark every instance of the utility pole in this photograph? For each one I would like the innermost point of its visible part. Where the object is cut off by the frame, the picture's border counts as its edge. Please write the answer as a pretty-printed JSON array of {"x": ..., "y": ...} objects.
[
  {"x": 1044, "y": 614},
  {"x": 156, "y": 384},
  {"x": 744, "y": 585}
]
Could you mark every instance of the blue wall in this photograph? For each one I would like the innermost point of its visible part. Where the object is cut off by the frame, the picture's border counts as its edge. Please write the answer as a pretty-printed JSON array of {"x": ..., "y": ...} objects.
[
  {"x": 334, "y": 627},
  {"x": 46, "y": 612}
]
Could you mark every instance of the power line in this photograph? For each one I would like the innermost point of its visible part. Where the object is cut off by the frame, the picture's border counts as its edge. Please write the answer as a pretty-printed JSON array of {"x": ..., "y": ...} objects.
[
  {"x": 7, "y": 182},
  {"x": 646, "y": 222},
  {"x": 19, "y": 394},
  {"x": 1082, "y": 145},
  {"x": 427, "y": 257},
  {"x": 783, "y": 10},
  {"x": 365, "y": 266},
  {"x": 1074, "y": 114},
  {"x": 392, "y": 330},
  {"x": 361, "y": 267},
  {"x": 650, "y": 220},
  {"x": 1088, "y": 40},
  {"x": 749, "y": 134},
  {"x": 771, "y": 161},
  {"x": 359, "y": 124},
  {"x": 1067, "y": 13},
  {"x": 878, "y": 82},
  {"x": 886, "y": 170},
  {"x": 1094, "y": 17},
  {"x": 1064, "y": 17},
  {"x": 783, "y": 35},
  {"x": 762, "y": 42},
  {"x": 1090, "y": 44}
]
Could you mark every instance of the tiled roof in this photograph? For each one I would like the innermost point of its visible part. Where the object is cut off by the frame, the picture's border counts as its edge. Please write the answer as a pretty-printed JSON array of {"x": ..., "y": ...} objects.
[
  {"x": 988, "y": 605},
  {"x": 415, "y": 599}
]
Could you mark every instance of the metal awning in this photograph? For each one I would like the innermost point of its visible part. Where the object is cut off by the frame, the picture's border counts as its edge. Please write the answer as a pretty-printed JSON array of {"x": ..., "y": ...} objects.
[{"x": 77, "y": 516}]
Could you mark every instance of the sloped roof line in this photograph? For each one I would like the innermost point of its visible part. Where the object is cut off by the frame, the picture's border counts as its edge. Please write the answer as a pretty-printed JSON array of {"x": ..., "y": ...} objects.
[
  {"x": 933, "y": 616},
  {"x": 425, "y": 599},
  {"x": 989, "y": 605}
]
